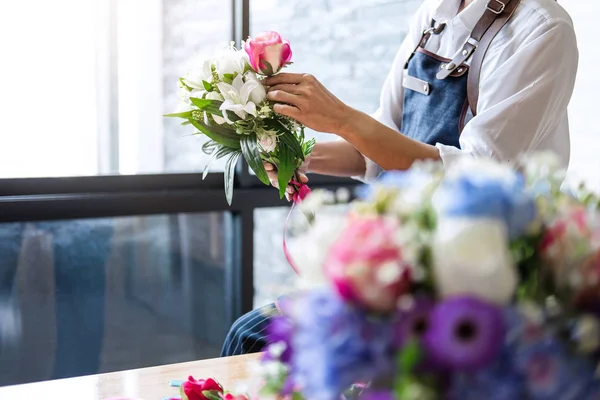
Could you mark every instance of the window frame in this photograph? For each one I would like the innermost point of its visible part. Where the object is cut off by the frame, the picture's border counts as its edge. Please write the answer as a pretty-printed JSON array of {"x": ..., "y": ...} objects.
[{"x": 65, "y": 198}]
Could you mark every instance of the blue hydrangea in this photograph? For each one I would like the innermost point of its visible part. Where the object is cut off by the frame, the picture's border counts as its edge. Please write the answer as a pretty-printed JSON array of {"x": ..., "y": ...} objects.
[
  {"x": 412, "y": 178},
  {"x": 336, "y": 345},
  {"x": 502, "y": 198}
]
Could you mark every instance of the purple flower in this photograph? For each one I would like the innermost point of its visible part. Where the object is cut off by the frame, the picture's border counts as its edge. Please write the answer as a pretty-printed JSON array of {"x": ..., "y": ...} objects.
[
  {"x": 280, "y": 331},
  {"x": 378, "y": 395},
  {"x": 336, "y": 345},
  {"x": 464, "y": 333},
  {"x": 413, "y": 322}
]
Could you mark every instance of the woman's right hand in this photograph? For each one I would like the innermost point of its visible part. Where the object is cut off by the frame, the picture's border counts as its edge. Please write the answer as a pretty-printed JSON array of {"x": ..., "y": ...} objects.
[{"x": 289, "y": 191}]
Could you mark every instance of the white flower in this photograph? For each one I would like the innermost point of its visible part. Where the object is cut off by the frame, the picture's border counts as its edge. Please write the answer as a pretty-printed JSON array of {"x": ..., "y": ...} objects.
[
  {"x": 484, "y": 169},
  {"x": 259, "y": 94},
  {"x": 311, "y": 248},
  {"x": 237, "y": 97},
  {"x": 267, "y": 140},
  {"x": 471, "y": 256},
  {"x": 216, "y": 96},
  {"x": 184, "y": 95},
  {"x": 202, "y": 73},
  {"x": 231, "y": 62}
]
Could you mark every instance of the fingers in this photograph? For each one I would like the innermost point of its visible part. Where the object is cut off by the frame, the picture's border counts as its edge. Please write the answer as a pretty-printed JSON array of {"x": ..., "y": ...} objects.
[
  {"x": 303, "y": 178},
  {"x": 284, "y": 77},
  {"x": 285, "y": 87},
  {"x": 283, "y": 97},
  {"x": 271, "y": 173},
  {"x": 288, "y": 111}
]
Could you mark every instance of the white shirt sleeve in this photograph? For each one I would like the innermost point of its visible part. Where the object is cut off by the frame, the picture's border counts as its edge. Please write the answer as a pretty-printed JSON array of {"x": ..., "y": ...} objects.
[{"x": 524, "y": 99}]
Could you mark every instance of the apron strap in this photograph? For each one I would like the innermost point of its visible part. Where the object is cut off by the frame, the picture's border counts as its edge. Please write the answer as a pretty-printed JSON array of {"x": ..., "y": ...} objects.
[
  {"x": 435, "y": 29},
  {"x": 495, "y": 10},
  {"x": 507, "y": 10}
]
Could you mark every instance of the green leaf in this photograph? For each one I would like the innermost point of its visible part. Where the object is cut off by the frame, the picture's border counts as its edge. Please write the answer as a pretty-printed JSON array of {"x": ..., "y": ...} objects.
[
  {"x": 307, "y": 147},
  {"x": 186, "y": 115},
  {"x": 286, "y": 137},
  {"x": 286, "y": 168},
  {"x": 230, "y": 174},
  {"x": 268, "y": 69},
  {"x": 212, "y": 395},
  {"x": 207, "y": 86},
  {"x": 249, "y": 145},
  {"x": 182, "y": 393},
  {"x": 201, "y": 103},
  {"x": 183, "y": 84},
  {"x": 409, "y": 357},
  {"x": 213, "y": 107},
  {"x": 209, "y": 147},
  {"x": 186, "y": 123},
  {"x": 220, "y": 135},
  {"x": 216, "y": 155},
  {"x": 228, "y": 78}
]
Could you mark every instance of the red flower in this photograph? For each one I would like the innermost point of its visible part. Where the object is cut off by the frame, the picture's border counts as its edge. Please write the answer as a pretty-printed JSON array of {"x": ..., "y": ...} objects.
[
  {"x": 230, "y": 396},
  {"x": 194, "y": 388}
]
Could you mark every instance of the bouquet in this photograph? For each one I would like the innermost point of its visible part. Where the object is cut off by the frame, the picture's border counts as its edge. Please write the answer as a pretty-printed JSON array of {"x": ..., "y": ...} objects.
[
  {"x": 477, "y": 282},
  {"x": 224, "y": 99}
]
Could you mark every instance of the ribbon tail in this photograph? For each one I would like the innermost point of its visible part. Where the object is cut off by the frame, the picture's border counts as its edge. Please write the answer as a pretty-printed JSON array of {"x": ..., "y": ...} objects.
[{"x": 286, "y": 252}]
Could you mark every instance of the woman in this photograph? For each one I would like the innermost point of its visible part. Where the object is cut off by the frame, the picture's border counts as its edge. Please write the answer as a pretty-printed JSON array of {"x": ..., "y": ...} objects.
[{"x": 473, "y": 77}]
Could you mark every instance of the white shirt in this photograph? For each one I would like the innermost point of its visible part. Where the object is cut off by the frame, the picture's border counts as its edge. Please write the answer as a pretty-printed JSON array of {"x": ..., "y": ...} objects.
[{"x": 527, "y": 79}]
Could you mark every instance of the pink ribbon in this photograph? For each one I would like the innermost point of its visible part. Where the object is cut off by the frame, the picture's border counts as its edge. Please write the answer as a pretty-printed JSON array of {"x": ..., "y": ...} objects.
[{"x": 302, "y": 190}]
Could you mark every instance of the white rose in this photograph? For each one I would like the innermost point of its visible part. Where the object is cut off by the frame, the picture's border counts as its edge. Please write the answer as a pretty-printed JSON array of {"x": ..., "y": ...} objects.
[{"x": 471, "y": 256}]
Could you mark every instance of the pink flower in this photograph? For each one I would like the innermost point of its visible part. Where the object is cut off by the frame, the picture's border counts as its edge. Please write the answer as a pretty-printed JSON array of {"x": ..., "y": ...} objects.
[
  {"x": 302, "y": 192},
  {"x": 230, "y": 396},
  {"x": 570, "y": 226},
  {"x": 365, "y": 265},
  {"x": 268, "y": 52},
  {"x": 193, "y": 388}
]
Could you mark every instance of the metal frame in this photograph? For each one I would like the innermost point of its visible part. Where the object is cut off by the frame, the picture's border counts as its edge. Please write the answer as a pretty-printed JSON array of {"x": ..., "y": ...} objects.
[{"x": 35, "y": 199}]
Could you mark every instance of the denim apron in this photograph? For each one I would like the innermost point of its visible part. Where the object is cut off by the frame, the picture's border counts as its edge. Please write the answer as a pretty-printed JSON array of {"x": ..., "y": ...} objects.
[{"x": 434, "y": 109}]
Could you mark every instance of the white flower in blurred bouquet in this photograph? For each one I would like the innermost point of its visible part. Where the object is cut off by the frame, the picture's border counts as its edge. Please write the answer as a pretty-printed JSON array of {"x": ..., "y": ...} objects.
[
  {"x": 310, "y": 249},
  {"x": 471, "y": 256}
]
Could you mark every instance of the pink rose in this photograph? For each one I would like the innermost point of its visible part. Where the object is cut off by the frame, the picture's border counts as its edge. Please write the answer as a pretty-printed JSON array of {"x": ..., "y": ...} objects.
[
  {"x": 193, "y": 389},
  {"x": 268, "y": 52},
  {"x": 365, "y": 265}
]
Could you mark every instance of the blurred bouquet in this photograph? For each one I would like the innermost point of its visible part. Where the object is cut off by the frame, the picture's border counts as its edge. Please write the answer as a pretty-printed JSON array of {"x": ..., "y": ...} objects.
[
  {"x": 224, "y": 98},
  {"x": 477, "y": 282}
]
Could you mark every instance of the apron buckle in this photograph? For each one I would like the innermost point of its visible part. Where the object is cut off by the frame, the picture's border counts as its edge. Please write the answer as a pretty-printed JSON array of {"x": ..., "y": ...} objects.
[{"x": 499, "y": 10}]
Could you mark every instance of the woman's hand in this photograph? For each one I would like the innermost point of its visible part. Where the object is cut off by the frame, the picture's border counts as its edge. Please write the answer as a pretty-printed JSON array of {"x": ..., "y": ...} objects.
[
  {"x": 303, "y": 98},
  {"x": 289, "y": 191}
]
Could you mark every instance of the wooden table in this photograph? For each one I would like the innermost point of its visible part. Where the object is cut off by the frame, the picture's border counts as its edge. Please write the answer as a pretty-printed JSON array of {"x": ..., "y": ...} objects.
[{"x": 144, "y": 384}]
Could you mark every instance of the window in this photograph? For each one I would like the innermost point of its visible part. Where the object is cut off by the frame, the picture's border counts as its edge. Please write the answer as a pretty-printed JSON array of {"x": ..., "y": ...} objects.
[{"x": 98, "y": 295}]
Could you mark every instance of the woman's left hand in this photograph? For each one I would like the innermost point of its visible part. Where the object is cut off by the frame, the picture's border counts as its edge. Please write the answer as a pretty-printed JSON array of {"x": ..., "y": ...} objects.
[{"x": 303, "y": 98}]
